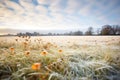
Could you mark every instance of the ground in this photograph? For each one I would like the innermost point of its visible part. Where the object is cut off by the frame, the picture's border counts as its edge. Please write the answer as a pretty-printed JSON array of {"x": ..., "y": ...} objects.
[{"x": 60, "y": 58}]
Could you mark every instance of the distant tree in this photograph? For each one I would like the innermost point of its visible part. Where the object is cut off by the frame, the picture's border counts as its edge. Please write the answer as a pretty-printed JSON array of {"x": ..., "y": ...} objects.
[
  {"x": 98, "y": 31},
  {"x": 74, "y": 33},
  {"x": 54, "y": 34},
  {"x": 28, "y": 34},
  {"x": 49, "y": 34},
  {"x": 19, "y": 34},
  {"x": 89, "y": 31},
  {"x": 78, "y": 33},
  {"x": 116, "y": 29},
  {"x": 57, "y": 34},
  {"x": 36, "y": 34},
  {"x": 110, "y": 30},
  {"x": 106, "y": 30},
  {"x": 70, "y": 33}
]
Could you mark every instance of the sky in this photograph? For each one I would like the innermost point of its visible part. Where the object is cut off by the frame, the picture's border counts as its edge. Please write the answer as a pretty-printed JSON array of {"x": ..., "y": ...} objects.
[{"x": 58, "y": 14}]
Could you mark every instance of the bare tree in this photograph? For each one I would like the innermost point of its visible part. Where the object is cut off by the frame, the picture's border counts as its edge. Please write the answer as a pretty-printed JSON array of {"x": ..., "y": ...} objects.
[
  {"x": 110, "y": 30},
  {"x": 89, "y": 31},
  {"x": 98, "y": 31},
  {"x": 116, "y": 29}
]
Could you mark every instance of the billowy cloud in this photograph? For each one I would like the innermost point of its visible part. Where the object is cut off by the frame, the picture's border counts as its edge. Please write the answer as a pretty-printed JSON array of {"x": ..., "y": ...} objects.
[
  {"x": 43, "y": 1},
  {"x": 58, "y": 14}
]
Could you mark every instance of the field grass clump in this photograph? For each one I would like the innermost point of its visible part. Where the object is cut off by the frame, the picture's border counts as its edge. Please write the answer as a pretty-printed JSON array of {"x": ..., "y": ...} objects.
[{"x": 28, "y": 58}]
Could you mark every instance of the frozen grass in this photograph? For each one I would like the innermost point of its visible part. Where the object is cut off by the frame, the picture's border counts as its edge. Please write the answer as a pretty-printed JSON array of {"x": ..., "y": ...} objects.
[{"x": 80, "y": 59}]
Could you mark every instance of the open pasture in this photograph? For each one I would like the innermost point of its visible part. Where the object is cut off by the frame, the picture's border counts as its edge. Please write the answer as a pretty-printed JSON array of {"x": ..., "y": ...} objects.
[{"x": 60, "y": 58}]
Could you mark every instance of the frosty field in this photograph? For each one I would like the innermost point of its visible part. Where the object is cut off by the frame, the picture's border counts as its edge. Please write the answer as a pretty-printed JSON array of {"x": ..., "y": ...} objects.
[{"x": 60, "y": 58}]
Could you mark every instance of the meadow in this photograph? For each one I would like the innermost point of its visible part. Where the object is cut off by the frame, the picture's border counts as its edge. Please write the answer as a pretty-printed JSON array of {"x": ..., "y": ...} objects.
[{"x": 60, "y": 58}]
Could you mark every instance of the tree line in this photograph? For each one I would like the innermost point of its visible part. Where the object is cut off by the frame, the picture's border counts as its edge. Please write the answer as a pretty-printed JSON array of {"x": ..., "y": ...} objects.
[{"x": 105, "y": 30}]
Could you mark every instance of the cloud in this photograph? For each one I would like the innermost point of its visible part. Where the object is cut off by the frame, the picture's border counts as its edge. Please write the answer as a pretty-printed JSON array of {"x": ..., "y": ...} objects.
[
  {"x": 27, "y": 5},
  {"x": 16, "y": 7},
  {"x": 57, "y": 5},
  {"x": 73, "y": 6},
  {"x": 43, "y": 1},
  {"x": 41, "y": 9},
  {"x": 58, "y": 14}
]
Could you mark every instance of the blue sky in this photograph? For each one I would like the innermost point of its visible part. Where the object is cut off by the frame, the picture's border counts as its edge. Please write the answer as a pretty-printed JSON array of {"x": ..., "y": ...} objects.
[{"x": 58, "y": 14}]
